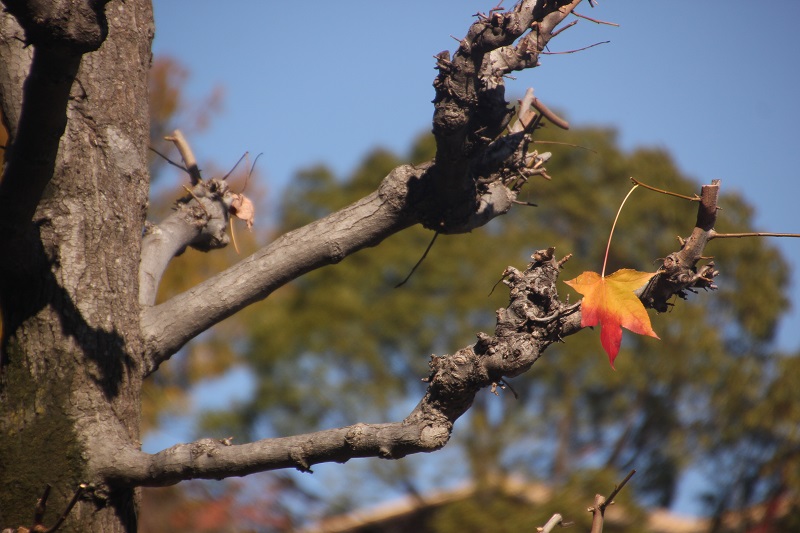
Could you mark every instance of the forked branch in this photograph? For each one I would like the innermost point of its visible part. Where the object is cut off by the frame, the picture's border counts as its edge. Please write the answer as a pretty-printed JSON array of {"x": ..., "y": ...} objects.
[
  {"x": 474, "y": 178},
  {"x": 534, "y": 318}
]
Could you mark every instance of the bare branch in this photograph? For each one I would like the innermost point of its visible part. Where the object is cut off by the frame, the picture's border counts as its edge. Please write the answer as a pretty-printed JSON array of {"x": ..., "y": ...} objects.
[
  {"x": 170, "y": 325},
  {"x": 601, "y": 503},
  {"x": 581, "y": 49},
  {"x": 549, "y": 114},
  {"x": 678, "y": 273},
  {"x": 715, "y": 235},
  {"x": 453, "y": 382},
  {"x": 471, "y": 112},
  {"x": 596, "y": 21},
  {"x": 534, "y": 319},
  {"x": 525, "y": 113},
  {"x": 694, "y": 198},
  {"x": 186, "y": 154},
  {"x": 462, "y": 189},
  {"x": 555, "y": 520},
  {"x": 393, "y": 207},
  {"x": 199, "y": 220}
]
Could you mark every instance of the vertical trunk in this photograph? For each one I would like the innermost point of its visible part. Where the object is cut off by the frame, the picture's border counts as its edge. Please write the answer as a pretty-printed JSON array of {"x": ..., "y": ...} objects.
[{"x": 71, "y": 354}]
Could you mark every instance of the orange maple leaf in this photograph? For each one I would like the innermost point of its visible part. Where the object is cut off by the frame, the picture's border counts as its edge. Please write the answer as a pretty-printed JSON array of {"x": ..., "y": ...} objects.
[{"x": 610, "y": 301}]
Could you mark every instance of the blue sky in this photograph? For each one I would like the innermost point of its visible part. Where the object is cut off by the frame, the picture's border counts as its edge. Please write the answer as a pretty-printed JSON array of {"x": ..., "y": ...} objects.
[{"x": 714, "y": 83}]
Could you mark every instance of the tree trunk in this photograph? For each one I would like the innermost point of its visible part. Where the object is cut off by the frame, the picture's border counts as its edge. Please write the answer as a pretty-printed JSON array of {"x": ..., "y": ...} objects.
[{"x": 72, "y": 345}]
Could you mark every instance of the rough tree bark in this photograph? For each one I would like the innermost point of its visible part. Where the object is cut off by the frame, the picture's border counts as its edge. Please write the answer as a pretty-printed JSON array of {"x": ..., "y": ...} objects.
[
  {"x": 73, "y": 200},
  {"x": 80, "y": 269}
]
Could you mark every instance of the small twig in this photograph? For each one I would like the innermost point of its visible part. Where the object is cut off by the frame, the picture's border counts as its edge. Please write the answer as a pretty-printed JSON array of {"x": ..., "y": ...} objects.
[
  {"x": 41, "y": 506},
  {"x": 233, "y": 236},
  {"x": 421, "y": 259},
  {"x": 525, "y": 115},
  {"x": 618, "y": 488},
  {"x": 186, "y": 153},
  {"x": 504, "y": 383},
  {"x": 596, "y": 21},
  {"x": 198, "y": 201},
  {"x": 568, "y": 26},
  {"x": 252, "y": 168},
  {"x": 597, "y": 513},
  {"x": 496, "y": 284},
  {"x": 168, "y": 160},
  {"x": 548, "y": 114},
  {"x": 234, "y": 167},
  {"x": 565, "y": 144},
  {"x": 714, "y": 235},
  {"x": 70, "y": 505},
  {"x": 694, "y": 198},
  {"x": 576, "y": 50},
  {"x": 555, "y": 520},
  {"x": 601, "y": 503}
]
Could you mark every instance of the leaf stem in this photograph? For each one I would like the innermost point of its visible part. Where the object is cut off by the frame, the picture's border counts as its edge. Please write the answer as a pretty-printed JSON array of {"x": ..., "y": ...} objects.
[
  {"x": 694, "y": 198},
  {"x": 614, "y": 225}
]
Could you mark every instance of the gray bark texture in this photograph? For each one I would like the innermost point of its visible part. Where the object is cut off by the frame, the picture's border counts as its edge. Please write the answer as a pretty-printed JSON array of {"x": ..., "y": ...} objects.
[
  {"x": 80, "y": 268},
  {"x": 72, "y": 204}
]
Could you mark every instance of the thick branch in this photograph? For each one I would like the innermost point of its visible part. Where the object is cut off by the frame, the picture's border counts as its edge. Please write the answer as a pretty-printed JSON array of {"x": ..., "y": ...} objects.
[
  {"x": 520, "y": 336},
  {"x": 79, "y": 26},
  {"x": 470, "y": 182},
  {"x": 393, "y": 207},
  {"x": 213, "y": 459},
  {"x": 200, "y": 220},
  {"x": 170, "y": 325},
  {"x": 471, "y": 112},
  {"x": 678, "y": 272}
]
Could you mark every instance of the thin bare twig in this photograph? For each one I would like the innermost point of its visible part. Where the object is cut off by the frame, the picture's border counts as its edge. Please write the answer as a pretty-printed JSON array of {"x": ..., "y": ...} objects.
[
  {"x": 252, "y": 168},
  {"x": 234, "y": 166},
  {"x": 694, "y": 198},
  {"x": 600, "y": 504},
  {"x": 596, "y": 21},
  {"x": 714, "y": 235},
  {"x": 233, "y": 236},
  {"x": 421, "y": 259},
  {"x": 576, "y": 50},
  {"x": 70, "y": 505},
  {"x": 197, "y": 200},
  {"x": 568, "y": 26},
  {"x": 186, "y": 153},
  {"x": 618, "y": 488},
  {"x": 564, "y": 144},
  {"x": 41, "y": 506},
  {"x": 168, "y": 160}
]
